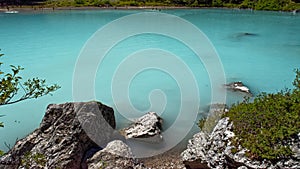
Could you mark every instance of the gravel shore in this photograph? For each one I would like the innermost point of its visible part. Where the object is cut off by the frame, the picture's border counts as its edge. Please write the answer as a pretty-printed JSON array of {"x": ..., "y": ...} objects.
[{"x": 168, "y": 160}]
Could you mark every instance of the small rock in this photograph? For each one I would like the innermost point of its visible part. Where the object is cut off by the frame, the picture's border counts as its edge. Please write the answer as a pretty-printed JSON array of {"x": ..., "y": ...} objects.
[
  {"x": 146, "y": 128},
  {"x": 238, "y": 86}
]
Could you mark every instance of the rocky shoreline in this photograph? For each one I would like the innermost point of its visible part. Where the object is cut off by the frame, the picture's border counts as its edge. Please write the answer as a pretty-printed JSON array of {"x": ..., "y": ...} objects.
[
  {"x": 215, "y": 150},
  {"x": 82, "y": 135},
  {"x": 71, "y": 136}
]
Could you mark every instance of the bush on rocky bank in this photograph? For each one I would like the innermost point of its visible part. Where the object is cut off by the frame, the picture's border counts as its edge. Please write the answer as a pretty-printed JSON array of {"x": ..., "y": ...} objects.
[{"x": 267, "y": 124}]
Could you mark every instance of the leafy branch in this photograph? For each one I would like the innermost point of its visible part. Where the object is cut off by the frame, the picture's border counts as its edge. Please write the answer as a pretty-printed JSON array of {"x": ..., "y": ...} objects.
[{"x": 11, "y": 84}]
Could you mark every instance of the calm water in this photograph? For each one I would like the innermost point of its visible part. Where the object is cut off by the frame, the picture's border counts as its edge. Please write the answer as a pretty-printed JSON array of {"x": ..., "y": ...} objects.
[{"x": 47, "y": 44}]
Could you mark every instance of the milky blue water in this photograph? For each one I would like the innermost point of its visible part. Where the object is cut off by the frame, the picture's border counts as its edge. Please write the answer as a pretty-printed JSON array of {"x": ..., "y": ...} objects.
[{"x": 47, "y": 44}]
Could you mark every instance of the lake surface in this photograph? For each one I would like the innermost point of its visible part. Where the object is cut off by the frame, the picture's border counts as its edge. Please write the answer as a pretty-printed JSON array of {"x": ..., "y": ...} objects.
[{"x": 260, "y": 49}]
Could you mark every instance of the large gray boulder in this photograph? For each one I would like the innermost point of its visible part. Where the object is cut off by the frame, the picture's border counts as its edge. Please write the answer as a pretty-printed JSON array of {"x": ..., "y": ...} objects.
[
  {"x": 116, "y": 155},
  {"x": 146, "y": 128},
  {"x": 215, "y": 151},
  {"x": 63, "y": 138}
]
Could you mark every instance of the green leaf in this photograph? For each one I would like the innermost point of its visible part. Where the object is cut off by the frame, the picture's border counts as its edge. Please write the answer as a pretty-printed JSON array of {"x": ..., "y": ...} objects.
[{"x": 1, "y": 153}]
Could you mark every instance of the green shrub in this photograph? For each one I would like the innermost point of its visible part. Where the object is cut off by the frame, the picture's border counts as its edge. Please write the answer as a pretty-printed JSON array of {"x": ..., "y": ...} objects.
[
  {"x": 266, "y": 124},
  {"x": 247, "y": 4},
  {"x": 195, "y": 4},
  {"x": 217, "y": 3},
  {"x": 79, "y": 1}
]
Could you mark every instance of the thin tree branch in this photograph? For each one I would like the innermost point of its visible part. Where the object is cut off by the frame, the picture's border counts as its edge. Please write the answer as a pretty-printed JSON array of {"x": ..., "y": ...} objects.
[{"x": 22, "y": 87}]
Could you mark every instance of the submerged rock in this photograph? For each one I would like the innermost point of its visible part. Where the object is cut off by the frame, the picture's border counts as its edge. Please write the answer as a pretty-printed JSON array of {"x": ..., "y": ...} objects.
[
  {"x": 241, "y": 35},
  {"x": 215, "y": 151},
  {"x": 115, "y": 155},
  {"x": 61, "y": 141},
  {"x": 146, "y": 128},
  {"x": 248, "y": 34},
  {"x": 238, "y": 86}
]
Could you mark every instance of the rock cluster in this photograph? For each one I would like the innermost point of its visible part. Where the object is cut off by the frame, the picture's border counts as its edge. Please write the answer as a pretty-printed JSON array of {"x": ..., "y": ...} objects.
[
  {"x": 215, "y": 151},
  {"x": 69, "y": 137},
  {"x": 146, "y": 128},
  {"x": 61, "y": 141},
  {"x": 70, "y": 134}
]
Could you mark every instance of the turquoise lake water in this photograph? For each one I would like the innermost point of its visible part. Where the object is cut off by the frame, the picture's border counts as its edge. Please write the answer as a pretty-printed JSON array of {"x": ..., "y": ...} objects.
[{"x": 48, "y": 44}]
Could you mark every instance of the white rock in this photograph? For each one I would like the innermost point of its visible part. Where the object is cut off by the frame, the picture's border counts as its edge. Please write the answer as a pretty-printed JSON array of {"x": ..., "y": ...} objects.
[
  {"x": 118, "y": 147},
  {"x": 238, "y": 86},
  {"x": 146, "y": 128}
]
